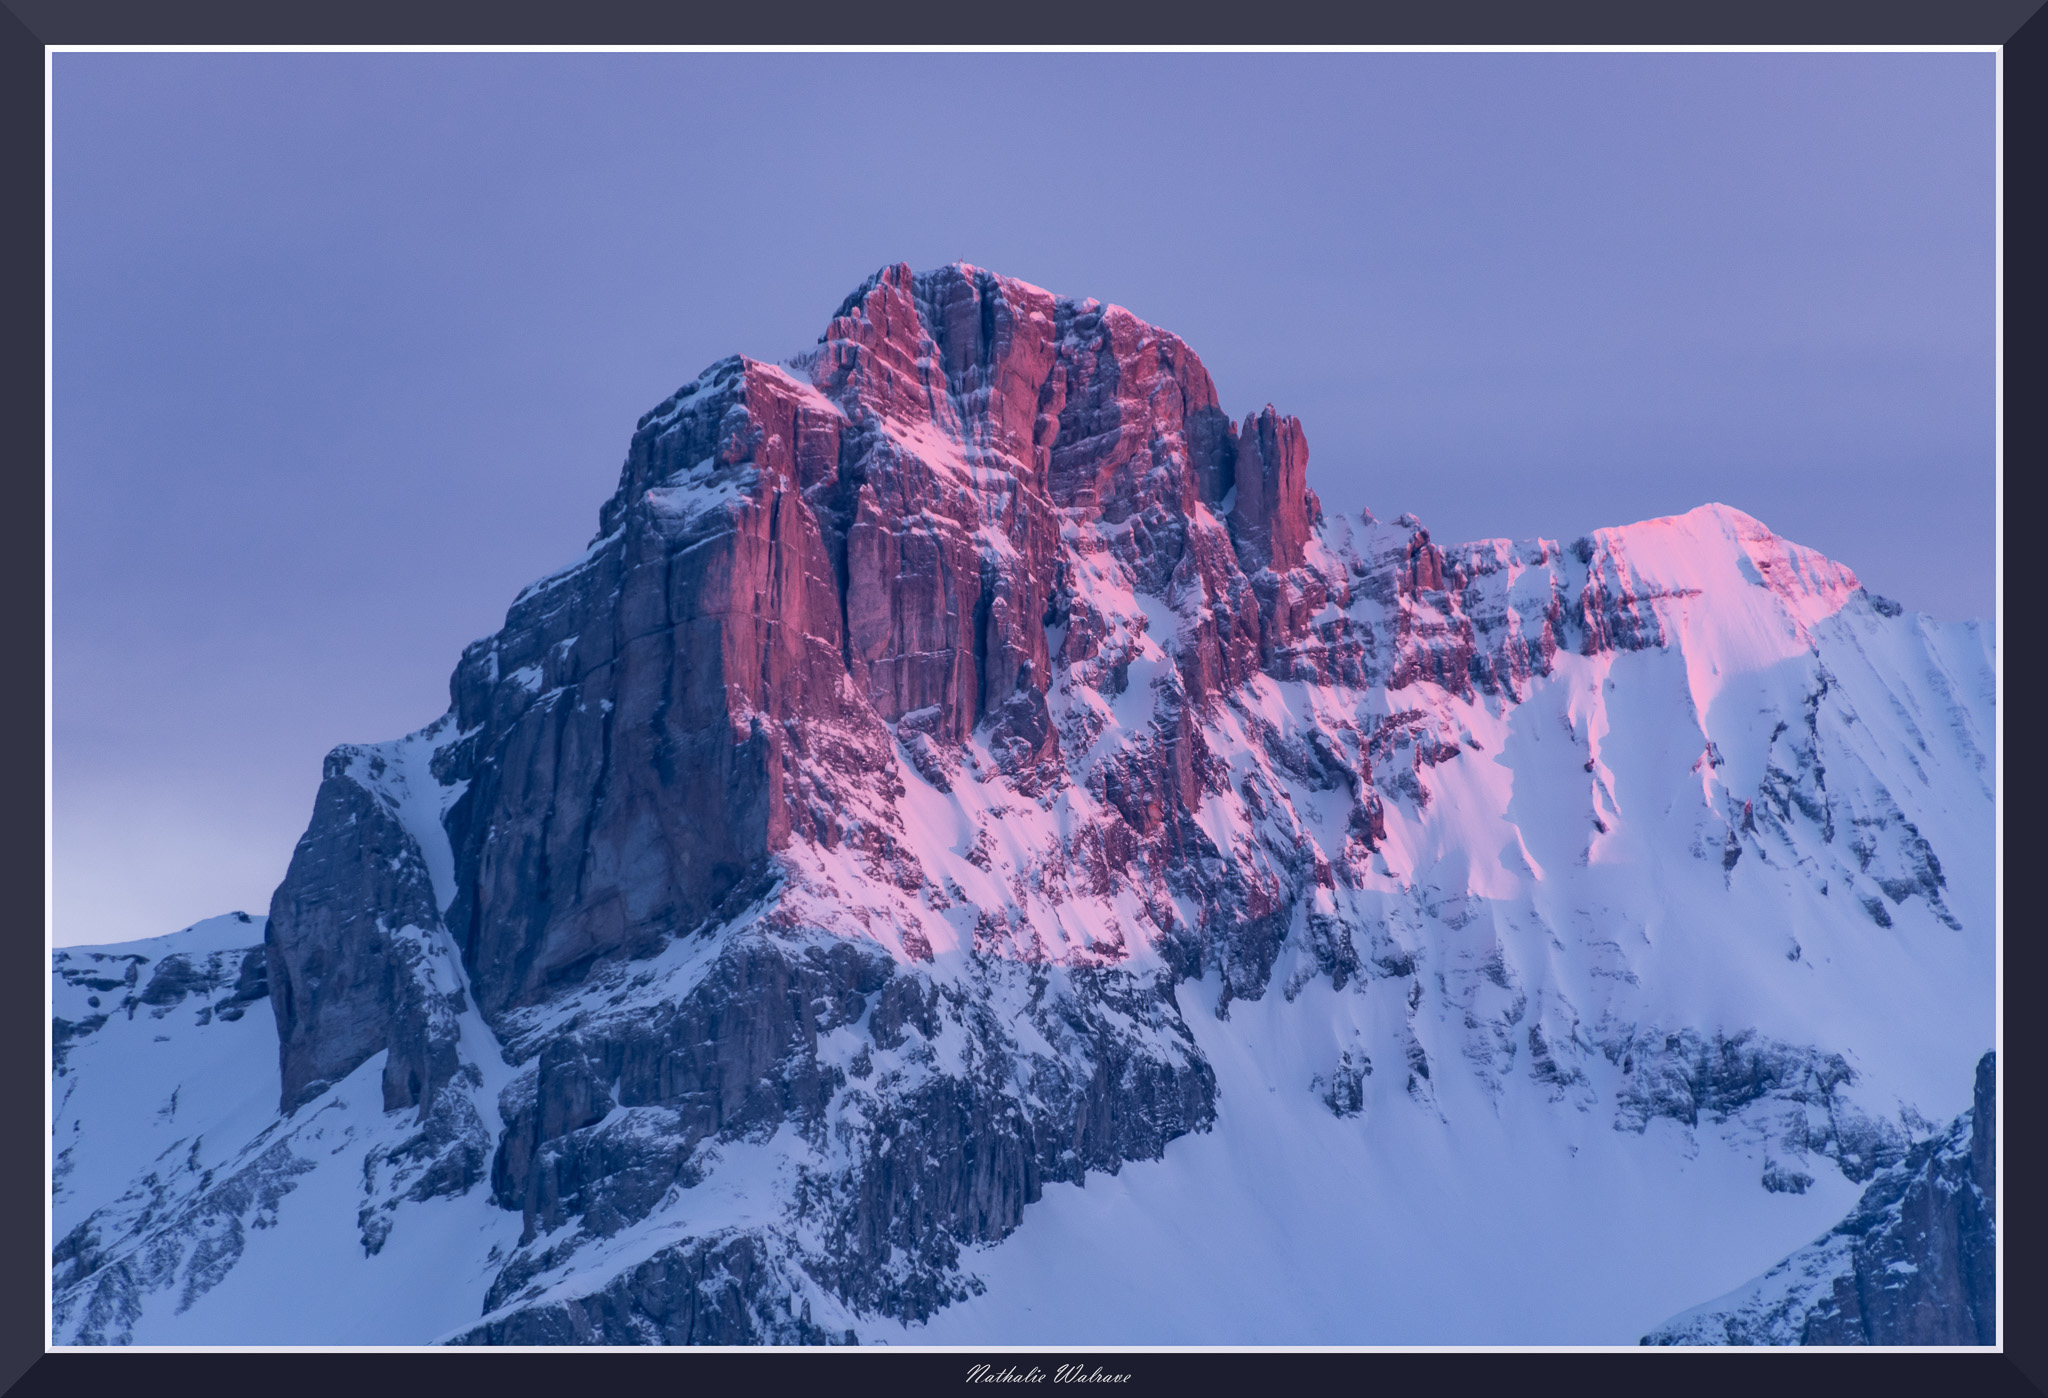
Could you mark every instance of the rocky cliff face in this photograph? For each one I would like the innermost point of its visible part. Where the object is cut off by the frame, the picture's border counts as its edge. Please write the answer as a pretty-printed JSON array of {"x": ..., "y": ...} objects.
[
  {"x": 903, "y": 537},
  {"x": 820, "y": 867},
  {"x": 1914, "y": 1263}
]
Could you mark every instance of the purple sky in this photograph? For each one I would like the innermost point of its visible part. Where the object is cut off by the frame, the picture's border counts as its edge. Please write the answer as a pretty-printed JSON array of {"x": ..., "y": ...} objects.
[{"x": 349, "y": 347}]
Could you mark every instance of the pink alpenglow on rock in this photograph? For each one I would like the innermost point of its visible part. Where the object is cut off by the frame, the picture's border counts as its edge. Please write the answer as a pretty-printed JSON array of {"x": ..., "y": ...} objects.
[{"x": 1275, "y": 508}]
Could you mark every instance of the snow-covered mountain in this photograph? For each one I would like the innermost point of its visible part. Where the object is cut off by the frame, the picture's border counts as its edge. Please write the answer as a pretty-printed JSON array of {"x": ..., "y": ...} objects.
[{"x": 971, "y": 854}]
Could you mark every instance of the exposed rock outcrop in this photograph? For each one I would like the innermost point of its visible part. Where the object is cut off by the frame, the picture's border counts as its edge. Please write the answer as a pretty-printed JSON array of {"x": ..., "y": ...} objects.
[
  {"x": 345, "y": 959},
  {"x": 1914, "y": 1263}
]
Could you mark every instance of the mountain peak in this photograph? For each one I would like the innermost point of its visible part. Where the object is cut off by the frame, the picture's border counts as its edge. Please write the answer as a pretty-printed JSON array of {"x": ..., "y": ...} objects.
[{"x": 968, "y": 746}]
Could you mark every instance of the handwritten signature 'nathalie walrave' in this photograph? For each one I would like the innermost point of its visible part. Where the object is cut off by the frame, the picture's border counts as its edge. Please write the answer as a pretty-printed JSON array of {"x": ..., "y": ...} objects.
[{"x": 1065, "y": 1373}]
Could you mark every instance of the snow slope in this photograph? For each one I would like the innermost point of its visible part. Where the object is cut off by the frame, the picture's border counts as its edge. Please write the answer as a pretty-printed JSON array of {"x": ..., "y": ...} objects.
[
  {"x": 1481, "y": 1223},
  {"x": 186, "y": 1210}
]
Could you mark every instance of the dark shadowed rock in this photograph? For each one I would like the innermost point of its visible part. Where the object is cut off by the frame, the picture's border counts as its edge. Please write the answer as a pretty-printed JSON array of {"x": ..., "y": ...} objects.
[
  {"x": 732, "y": 1289},
  {"x": 344, "y": 958},
  {"x": 1914, "y": 1263}
]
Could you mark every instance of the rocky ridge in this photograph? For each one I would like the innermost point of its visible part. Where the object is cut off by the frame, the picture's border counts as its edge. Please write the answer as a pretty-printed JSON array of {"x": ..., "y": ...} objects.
[{"x": 1914, "y": 1263}]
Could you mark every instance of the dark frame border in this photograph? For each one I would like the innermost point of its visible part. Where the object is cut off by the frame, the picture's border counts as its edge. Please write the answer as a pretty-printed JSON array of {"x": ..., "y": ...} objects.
[
  {"x": 28, "y": 26},
  {"x": 934, "y": 21}
]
